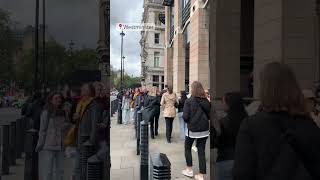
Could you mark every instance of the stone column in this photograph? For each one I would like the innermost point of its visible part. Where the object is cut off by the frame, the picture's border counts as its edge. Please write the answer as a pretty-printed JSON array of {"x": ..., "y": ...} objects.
[
  {"x": 168, "y": 74},
  {"x": 286, "y": 35},
  {"x": 178, "y": 51},
  {"x": 224, "y": 46}
]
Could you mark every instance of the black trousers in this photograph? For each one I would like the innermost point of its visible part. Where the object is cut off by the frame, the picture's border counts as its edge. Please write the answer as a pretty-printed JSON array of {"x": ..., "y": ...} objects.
[
  {"x": 201, "y": 145},
  {"x": 169, "y": 124}
]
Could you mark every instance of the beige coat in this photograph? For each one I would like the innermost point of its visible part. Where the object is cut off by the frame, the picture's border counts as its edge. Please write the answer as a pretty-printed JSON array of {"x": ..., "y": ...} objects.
[{"x": 167, "y": 102}]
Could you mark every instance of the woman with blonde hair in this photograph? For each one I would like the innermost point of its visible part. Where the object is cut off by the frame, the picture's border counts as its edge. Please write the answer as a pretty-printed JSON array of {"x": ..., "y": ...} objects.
[
  {"x": 196, "y": 113},
  {"x": 169, "y": 102},
  {"x": 149, "y": 111}
]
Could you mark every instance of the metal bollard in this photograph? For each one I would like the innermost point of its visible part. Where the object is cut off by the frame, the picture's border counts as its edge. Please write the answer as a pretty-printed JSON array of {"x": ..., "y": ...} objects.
[
  {"x": 95, "y": 169},
  {"x": 160, "y": 167},
  {"x": 119, "y": 112},
  {"x": 31, "y": 159},
  {"x": 87, "y": 150},
  {"x": 138, "y": 121},
  {"x": 13, "y": 143},
  {"x": 23, "y": 132},
  {"x": 144, "y": 148},
  {"x": 19, "y": 142},
  {"x": 5, "y": 146}
]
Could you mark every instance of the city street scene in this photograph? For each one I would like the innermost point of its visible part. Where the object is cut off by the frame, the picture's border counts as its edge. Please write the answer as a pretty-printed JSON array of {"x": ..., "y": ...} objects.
[{"x": 159, "y": 90}]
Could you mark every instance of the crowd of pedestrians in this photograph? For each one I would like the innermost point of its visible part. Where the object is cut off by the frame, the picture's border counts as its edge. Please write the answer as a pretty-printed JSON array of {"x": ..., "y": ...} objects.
[
  {"x": 66, "y": 119},
  {"x": 278, "y": 141}
]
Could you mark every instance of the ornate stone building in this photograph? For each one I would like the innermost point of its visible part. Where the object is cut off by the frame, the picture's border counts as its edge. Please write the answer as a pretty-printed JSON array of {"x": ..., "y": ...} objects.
[
  {"x": 152, "y": 44},
  {"x": 186, "y": 43},
  {"x": 244, "y": 36}
]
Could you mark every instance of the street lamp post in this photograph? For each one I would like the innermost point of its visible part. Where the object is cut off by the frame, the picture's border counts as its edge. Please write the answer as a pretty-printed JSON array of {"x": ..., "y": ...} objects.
[
  {"x": 122, "y": 34},
  {"x": 123, "y": 71},
  {"x": 44, "y": 45},
  {"x": 36, "y": 47}
]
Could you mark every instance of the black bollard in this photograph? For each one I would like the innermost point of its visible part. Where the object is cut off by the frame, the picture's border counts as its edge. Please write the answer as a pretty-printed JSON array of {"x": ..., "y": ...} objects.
[
  {"x": 95, "y": 169},
  {"x": 160, "y": 167},
  {"x": 5, "y": 146},
  {"x": 87, "y": 150},
  {"x": 23, "y": 133},
  {"x": 31, "y": 159},
  {"x": 138, "y": 121},
  {"x": 12, "y": 142},
  {"x": 119, "y": 112},
  {"x": 144, "y": 150},
  {"x": 19, "y": 142}
]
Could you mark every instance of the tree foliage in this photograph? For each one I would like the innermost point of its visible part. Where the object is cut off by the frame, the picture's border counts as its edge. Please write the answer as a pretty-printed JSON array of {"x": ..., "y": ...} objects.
[
  {"x": 7, "y": 48},
  {"x": 60, "y": 64},
  {"x": 129, "y": 82}
]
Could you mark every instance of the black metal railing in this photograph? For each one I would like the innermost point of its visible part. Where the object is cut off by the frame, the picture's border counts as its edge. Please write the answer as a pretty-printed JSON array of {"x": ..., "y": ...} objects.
[{"x": 186, "y": 13}]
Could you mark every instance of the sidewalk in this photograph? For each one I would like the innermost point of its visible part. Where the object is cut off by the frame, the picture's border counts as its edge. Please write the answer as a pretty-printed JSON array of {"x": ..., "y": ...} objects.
[{"x": 125, "y": 162}]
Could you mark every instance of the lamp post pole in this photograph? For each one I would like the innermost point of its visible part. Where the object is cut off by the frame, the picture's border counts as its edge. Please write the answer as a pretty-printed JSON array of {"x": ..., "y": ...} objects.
[
  {"x": 36, "y": 47},
  {"x": 122, "y": 34},
  {"x": 44, "y": 45},
  {"x": 123, "y": 70}
]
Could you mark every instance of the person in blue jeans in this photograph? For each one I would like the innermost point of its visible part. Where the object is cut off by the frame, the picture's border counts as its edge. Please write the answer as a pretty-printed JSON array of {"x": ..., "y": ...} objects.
[
  {"x": 226, "y": 141},
  {"x": 182, "y": 99},
  {"x": 53, "y": 126}
]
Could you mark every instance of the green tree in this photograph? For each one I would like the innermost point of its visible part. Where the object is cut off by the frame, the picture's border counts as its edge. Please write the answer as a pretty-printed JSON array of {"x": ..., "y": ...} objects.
[
  {"x": 7, "y": 48},
  {"x": 60, "y": 65},
  {"x": 129, "y": 82}
]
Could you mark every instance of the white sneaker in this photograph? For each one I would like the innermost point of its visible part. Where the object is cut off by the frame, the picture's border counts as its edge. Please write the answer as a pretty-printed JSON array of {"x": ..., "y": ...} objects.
[
  {"x": 195, "y": 149},
  {"x": 187, "y": 173}
]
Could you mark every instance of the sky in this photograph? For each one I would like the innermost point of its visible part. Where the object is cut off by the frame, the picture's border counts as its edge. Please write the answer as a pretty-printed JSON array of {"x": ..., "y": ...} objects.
[{"x": 77, "y": 20}]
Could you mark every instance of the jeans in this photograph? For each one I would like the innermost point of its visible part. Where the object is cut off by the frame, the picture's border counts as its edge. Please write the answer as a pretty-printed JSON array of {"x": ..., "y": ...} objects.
[
  {"x": 169, "y": 124},
  {"x": 125, "y": 116},
  {"x": 51, "y": 165},
  {"x": 224, "y": 170},
  {"x": 182, "y": 125},
  {"x": 201, "y": 145},
  {"x": 154, "y": 124},
  {"x": 76, "y": 166}
]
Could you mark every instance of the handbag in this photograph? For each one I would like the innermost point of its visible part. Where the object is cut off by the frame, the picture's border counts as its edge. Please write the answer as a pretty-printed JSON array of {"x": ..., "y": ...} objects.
[{"x": 71, "y": 136}]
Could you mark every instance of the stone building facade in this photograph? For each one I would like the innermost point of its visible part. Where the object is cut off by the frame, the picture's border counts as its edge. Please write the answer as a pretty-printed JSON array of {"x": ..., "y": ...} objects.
[
  {"x": 262, "y": 32},
  {"x": 244, "y": 36},
  {"x": 152, "y": 45},
  {"x": 186, "y": 43}
]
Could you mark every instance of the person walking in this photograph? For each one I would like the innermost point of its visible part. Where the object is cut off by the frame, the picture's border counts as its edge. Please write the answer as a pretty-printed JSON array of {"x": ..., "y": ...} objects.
[
  {"x": 169, "y": 103},
  {"x": 226, "y": 141},
  {"x": 87, "y": 116},
  {"x": 196, "y": 113},
  {"x": 157, "y": 112},
  {"x": 53, "y": 126},
  {"x": 182, "y": 124},
  {"x": 149, "y": 111},
  {"x": 281, "y": 142},
  {"x": 126, "y": 100}
]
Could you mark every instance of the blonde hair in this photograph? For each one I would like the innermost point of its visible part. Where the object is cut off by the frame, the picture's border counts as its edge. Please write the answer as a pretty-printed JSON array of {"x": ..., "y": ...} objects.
[{"x": 152, "y": 91}]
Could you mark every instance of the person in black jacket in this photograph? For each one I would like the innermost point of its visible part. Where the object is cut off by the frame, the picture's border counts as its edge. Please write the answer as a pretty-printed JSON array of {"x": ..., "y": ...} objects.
[
  {"x": 150, "y": 107},
  {"x": 181, "y": 101},
  {"x": 196, "y": 113},
  {"x": 157, "y": 113},
  {"x": 225, "y": 142},
  {"x": 281, "y": 142}
]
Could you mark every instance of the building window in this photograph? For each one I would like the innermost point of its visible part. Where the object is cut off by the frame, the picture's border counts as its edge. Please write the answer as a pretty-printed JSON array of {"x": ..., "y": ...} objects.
[
  {"x": 157, "y": 38},
  {"x": 162, "y": 79},
  {"x": 156, "y": 59},
  {"x": 155, "y": 78}
]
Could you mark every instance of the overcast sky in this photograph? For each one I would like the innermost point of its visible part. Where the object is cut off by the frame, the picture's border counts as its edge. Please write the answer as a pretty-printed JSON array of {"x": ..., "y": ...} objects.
[{"x": 77, "y": 20}]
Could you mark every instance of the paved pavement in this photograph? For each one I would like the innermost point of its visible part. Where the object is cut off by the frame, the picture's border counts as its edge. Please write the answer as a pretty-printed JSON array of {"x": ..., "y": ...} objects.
[{"x": 125, "y": 162}]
